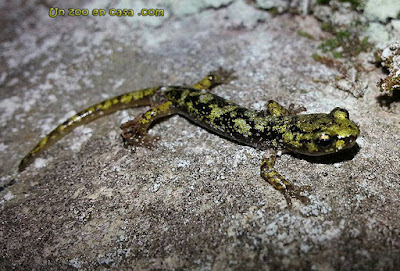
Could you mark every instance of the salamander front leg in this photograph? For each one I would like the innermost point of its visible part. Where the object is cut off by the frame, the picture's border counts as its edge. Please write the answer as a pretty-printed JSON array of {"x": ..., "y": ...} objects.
[
  {"x": 275, "y": 109},
  {"x": 134, "y": 132},
  {"x": 289, "y": 191}
]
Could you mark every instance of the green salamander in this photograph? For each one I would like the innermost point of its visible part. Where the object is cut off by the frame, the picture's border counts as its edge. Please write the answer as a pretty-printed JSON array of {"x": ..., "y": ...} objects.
[{"x": 273, "y": 128}]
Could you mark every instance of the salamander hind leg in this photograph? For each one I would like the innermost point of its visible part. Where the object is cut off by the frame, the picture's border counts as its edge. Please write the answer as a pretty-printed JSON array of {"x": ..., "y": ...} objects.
[
  {"x": 214, "y": 79},
  {"x": 134, "y": 132},
  {"x": 289, "y": 191}
]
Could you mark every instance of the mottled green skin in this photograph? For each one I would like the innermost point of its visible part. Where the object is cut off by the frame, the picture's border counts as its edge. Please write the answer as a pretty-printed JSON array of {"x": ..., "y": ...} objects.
[
  {"x": 298, "y": 133},
  {"x": 275, "y": 127}
]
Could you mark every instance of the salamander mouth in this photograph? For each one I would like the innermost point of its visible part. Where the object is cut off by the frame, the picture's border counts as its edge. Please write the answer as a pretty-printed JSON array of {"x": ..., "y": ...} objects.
[
  {"x": 350, "y": 141},
  {"x": 340, "y": 144}
]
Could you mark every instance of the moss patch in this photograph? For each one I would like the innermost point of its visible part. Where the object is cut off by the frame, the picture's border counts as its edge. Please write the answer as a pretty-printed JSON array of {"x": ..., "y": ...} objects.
[{"x": 345, "y": 42}]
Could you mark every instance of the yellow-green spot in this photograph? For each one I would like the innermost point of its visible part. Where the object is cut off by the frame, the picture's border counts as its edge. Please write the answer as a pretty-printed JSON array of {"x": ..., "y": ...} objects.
[
  {"x": 203, "y": 84},
  {"x": 340, "y": 144},
  {"x": 143, "y": 121},
  {"x": 189, "y": 105},
  {"x": 287, "y": 137},
  {"x": 105, "y": 105},
  {"x": 136, "y": 95},
  {"x": 206, "y": 98},
  {"x": 280, "y": 128},
  {"x": 148, "y": 114},
  {"x": 164, "y": 107},
  {"x": 259, "y": 127},
  {"x": 44, "y": 141},
  {"x": 126, "y": 98},
  {"x": 61, "y": 128},
  {"x": 312, "y": 148},
  {"x": 216, "y": 112},
  {"x": 242, "y": 127},
  {"x": 306, "y": 136},
  {"x": 339, "y": 114},
  {"x": 183, "y": 96}
]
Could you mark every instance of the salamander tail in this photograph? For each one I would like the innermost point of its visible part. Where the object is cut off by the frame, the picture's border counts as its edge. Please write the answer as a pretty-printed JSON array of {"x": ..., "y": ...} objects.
[{"x": 131, "y": 99}]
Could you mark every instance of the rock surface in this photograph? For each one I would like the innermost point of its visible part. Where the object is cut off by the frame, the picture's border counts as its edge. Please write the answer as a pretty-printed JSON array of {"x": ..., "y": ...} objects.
[{"x": 196, "y": 201}]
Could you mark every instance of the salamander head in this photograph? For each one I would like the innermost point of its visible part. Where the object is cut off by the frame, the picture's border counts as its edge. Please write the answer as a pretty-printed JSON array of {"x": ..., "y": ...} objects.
[{"x": 319, "y": 134}]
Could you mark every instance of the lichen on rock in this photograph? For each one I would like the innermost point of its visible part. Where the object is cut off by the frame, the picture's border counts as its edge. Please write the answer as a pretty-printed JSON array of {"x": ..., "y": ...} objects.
[{"x": 390, "y": 59}]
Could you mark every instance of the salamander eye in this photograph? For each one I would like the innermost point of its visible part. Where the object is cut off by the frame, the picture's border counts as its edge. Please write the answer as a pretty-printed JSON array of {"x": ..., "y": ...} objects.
[{"x": 324, "y": 141}]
